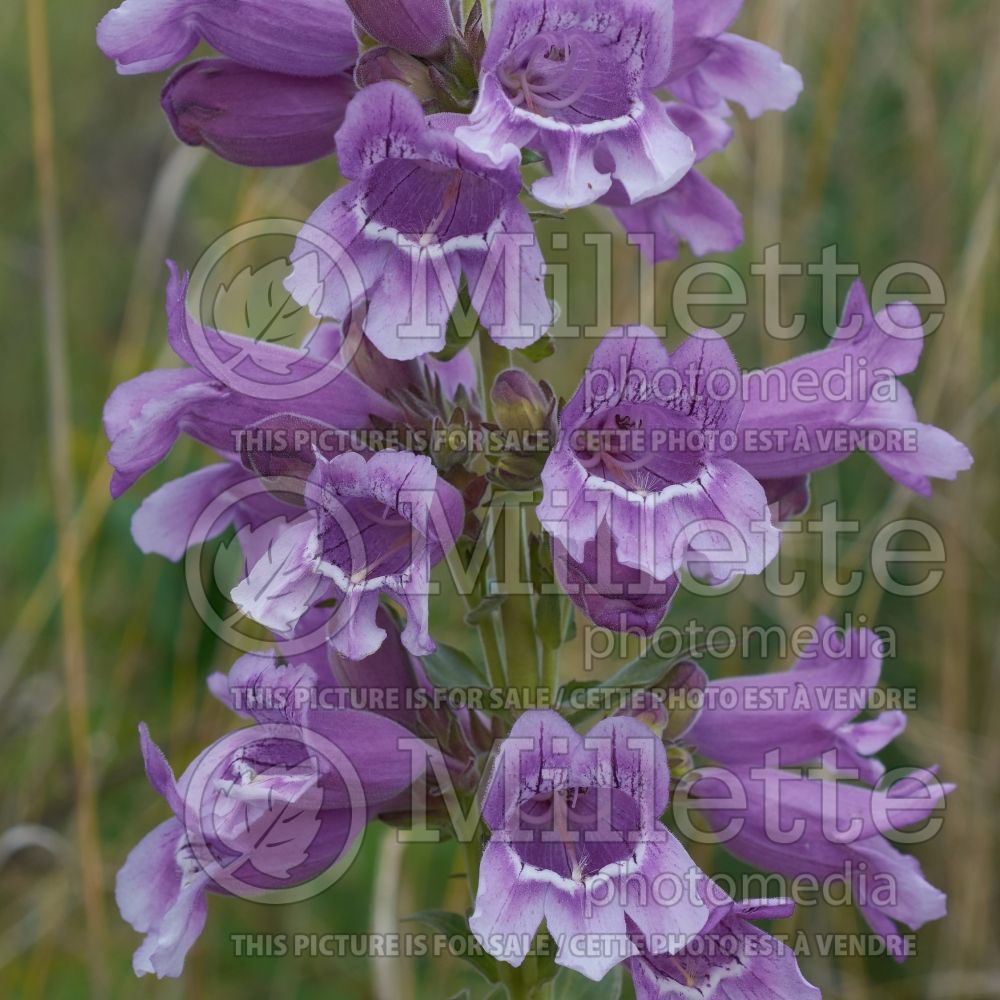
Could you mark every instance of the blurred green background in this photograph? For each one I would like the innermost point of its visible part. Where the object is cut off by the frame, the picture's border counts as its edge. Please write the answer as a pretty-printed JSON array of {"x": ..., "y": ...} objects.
[{"x": 892, "y": 153}]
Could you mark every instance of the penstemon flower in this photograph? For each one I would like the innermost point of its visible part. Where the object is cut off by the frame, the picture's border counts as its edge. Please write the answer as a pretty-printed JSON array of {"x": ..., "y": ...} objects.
[
  {"x": 574, "y": 823},
  {"x": 260, "y": 809},
  {"x": 373, "y": 526},
  {"x": 812, "y": 723},
  {"x": 300, "y": 37},
  {"x": 422, "y": 211},
  {"x": 732, "y": 958},
  {"x": 575, "y": 79}
]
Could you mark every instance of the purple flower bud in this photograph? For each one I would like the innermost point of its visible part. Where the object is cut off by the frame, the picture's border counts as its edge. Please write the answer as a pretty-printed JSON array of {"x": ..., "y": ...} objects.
[
  {"x": 384, "y": 63},
  {"x": 519, "y": 402},
  {"x": 254, "y": 117},
  {"x": 420, "y": 27}
]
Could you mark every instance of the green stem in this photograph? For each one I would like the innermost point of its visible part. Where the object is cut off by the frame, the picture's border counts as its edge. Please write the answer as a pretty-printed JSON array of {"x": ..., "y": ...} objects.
[
  {"x": 516, "y": 612},
  {"x": 486, "y": 628}
]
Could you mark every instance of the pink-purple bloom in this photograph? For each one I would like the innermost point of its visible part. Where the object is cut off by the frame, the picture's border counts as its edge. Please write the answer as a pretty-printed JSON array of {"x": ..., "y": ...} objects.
[
  {"x": 637, "y": 463},
  {"x": 801, "y": 827},
  {"x": 731, "y": 959},
  {"x": 805, "y": 712},
  {"x": 421, "y": 212},
  {"x": 300, "y": 37},
  {"x": 255, "y": 117},
  {"x": 372, "y": 527},
  {"x": 576, "y": 841},
  {"x": 820, "y": 407},
  {"x": 269, "y": 807},
  {"x": 575, "y": 79}
]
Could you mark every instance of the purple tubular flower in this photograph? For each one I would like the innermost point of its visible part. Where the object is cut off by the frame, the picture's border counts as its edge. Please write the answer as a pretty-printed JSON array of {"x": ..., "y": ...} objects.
[
  {"x": 418, "y": 27},
  {"x": 798, "y": 826},
  {"x": 710, "y": 67},
  {"x": 575, "y": 79},
  {"x": 732, "y": 958},
  {"x": 694, "y": 209},
  {"x": 421, "y": 210},
  {"x": 264, "y": 808},
  {"x": 574, "y": 824},
  {"x": 848, "y": 396},
  {"x": 255, "y": 117},
  {"x": 636, "y": 456},
  {"x": 144, "y": 416},
  {"x": 300, "y": 37},
  {"x": 805, "y": 712},
  {"x": 372, "y": 527},
  {"x": 611, "y": 594}
]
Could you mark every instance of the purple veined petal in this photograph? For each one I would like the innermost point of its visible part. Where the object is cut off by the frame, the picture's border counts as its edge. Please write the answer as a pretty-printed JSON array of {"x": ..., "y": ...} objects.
[
  {"x": 301, "y": 37},
  {"x": 737, "y": 960},
  {"x": 142, "y": 419},
  {"x": 508, "y": 909},
  {"x": 610, "y": 594},
  {"x": 651, "y": 155},
  {"x": 381, "y": 123},
  {"x": 694, "y": 210},
  {"x": 419, "y": 27},
  {"x": 574, "y": 180},
  {"x": 161, "y": 900},
  {"x": 411, "y": 302},
  {"x": 669, "y": 914},
  {"x": 165, "y": 520},
  {"x": 591, "y": 940},
  {"x": 812, "y": 426},
  {"x": 255, "y": 117},
  {"x": 533, "y": 759},
  {"x": 708, "y": 133},
  {"x": 328, "y": 280},
  {"x": 621, "y": 753},
  {"x": 282, "y": 583},
  {"x": 695, "y": 24},
  {"x": 751, "y": 74},
  {"x": 507, "y": 282}
]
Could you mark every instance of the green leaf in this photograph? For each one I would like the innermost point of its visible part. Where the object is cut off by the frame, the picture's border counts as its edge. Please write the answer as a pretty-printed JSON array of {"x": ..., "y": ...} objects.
[
  {"x": 448, "y": 667},
  {"x": 548, "y": 620},
  {"x": 255, "y": 304},
  {"x": 454, "y": 925},
  {"x": 541, "y": 349},
  {"x": 648, "y": 671},
  {"x": 485, "y": 608},
  {"x": 569, "y": 985},
  {"x": 529, "y": 156}
]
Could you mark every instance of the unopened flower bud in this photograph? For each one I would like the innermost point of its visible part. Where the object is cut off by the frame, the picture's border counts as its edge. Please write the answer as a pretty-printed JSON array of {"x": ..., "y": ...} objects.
[
  {"x": 385, "y": 63},
  {"x": 520, "y": 403},
  {"x": 254, "y": 117},
  {"x": 419, "y": 27}
]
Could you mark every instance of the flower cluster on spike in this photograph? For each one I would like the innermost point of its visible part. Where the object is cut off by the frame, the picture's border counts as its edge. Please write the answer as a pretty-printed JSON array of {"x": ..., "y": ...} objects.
[{"x": 353, "y": 468}]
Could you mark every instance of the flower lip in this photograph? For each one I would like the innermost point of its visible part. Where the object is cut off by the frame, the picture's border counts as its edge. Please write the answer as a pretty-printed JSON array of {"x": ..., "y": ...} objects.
[
  {"x": 641, "y": 447},
  {"x": 431, "y": 203},
  {"x": 575, "y": 832},
  {"x": 365, "y": 543}
]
